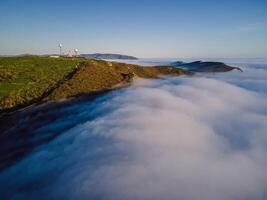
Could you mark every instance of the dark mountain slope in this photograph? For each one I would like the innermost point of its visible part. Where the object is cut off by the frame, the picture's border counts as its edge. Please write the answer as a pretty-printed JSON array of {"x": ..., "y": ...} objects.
[{"x": 199, "y": 66}]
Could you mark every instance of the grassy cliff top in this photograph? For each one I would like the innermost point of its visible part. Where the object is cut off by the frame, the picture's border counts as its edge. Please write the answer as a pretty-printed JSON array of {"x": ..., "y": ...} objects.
[
  {"x": 25, "y": 78},
  {"x": 28, "y": 79},
  {"x": 98, "y": 75}
]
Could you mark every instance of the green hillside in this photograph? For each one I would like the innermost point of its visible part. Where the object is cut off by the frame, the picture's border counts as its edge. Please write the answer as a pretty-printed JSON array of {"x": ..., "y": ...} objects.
[
  {"x": 28, "y": 79},
  {"x": 25, "y": 78}
]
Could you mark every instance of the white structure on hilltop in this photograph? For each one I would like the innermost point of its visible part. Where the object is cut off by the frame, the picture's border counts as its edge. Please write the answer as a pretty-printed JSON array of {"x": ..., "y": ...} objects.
[
  {"x": 76, "y": 52},
  {"x": 60, "y": 49},
  {"x": 69, "y": 54},
  {"x": 53, "y": 56}
]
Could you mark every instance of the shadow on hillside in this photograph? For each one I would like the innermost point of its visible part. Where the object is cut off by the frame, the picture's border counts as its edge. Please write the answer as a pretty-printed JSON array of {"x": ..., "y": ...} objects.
[{"x": 23, "y": 130}]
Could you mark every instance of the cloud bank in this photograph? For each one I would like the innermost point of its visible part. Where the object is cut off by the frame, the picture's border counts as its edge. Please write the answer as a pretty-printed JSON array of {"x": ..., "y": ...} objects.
[{"x": 180, "y": 138}]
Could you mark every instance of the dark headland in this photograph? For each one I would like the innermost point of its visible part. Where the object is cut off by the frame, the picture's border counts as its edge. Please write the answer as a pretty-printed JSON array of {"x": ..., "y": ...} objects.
[{"x": 199, "y": 66}]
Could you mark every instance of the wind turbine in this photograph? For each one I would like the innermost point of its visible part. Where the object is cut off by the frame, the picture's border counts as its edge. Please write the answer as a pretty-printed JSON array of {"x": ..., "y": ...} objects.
[{"x": 60, "y": 49}]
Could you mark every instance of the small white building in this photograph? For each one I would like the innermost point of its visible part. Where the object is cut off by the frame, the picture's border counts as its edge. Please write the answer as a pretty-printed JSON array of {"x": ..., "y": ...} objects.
[{"x": 54, "y": 56}]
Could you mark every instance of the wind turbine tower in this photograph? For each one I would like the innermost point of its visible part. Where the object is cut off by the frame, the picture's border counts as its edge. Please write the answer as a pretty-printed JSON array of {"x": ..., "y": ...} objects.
[{"x": 60, "y": 49}]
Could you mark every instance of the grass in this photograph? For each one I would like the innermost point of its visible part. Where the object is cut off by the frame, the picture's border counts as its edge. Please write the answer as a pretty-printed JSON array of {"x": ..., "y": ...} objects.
[
  {"x": 98, "y": 75},
  {"x": 25, "y": 78}
]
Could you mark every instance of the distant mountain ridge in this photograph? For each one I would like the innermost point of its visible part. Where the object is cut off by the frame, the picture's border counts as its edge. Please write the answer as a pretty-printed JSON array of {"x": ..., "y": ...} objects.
[{"x": 109, "y": 56}]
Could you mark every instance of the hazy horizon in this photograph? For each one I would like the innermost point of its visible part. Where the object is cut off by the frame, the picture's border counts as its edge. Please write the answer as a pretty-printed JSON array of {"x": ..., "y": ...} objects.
[{"x": 145, "y": 58}]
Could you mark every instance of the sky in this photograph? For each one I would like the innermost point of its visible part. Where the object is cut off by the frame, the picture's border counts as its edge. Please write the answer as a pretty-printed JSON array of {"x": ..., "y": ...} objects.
[{"x": 146, "y": 29}]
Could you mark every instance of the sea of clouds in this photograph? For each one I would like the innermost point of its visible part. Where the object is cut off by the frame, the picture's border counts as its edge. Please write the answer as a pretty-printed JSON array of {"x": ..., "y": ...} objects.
[{"x": 186, "y": 138}]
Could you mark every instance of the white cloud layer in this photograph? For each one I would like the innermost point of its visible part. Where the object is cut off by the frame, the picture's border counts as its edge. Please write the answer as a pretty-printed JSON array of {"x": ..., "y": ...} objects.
[{"x": 182, "y": 138}]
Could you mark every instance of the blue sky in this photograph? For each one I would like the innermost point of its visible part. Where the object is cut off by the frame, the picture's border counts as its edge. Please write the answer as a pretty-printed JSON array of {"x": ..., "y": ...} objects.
[{"x": 147, "y": 28}]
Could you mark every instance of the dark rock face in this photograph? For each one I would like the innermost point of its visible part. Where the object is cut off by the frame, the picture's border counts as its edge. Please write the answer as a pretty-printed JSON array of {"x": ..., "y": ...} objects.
[
  {"x": 199, "y": 66},
  {"x": 177, "y": 63},
  {"x": 127, "y": 77},
  {"x": 109, "y": 56}
]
